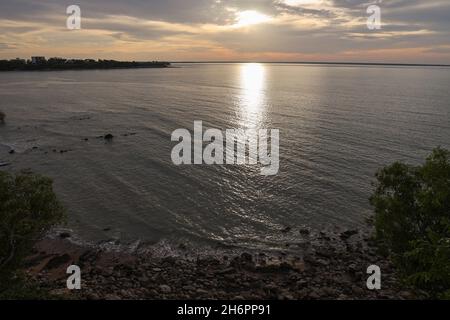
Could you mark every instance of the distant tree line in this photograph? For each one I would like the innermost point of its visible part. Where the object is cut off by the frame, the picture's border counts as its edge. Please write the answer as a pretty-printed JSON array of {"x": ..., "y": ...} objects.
[{"x": 74, "y": 64}]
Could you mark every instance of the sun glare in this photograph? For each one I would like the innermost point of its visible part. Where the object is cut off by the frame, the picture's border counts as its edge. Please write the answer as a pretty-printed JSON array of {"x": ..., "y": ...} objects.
[
  {"x": 250, "y": 17},
  {"x": 300, "y": 2},
  {"x": 253, "y": 82}
]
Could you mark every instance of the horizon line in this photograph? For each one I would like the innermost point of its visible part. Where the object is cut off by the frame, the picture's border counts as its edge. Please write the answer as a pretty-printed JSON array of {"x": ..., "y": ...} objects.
[
  {"x": 324, "y": 63},
  {"x": 273, "y": 62}
]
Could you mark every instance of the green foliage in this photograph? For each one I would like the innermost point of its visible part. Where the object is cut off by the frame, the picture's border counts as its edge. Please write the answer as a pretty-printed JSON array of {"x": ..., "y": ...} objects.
[
  {"x": 24, "y": 289},
  {"x": 412, "y": 220},
  {"x": 28, "y": 209}
]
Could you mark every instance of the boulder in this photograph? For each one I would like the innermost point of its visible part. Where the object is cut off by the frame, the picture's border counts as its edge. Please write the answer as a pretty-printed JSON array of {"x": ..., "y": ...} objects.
[{"x": 109, "y": 136}]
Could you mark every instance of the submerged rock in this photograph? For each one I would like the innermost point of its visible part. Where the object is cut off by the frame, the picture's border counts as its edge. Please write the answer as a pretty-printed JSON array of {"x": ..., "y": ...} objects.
[
  {"x": 304, "y": 232},
  {"x": 109, "y": 136},
  {"x": 64, "y": 235}
]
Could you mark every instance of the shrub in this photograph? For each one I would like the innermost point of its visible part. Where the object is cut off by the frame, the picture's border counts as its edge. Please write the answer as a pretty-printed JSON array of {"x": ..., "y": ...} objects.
[
  {"x": 28, "y": 208},
  {"x": 412, "y": 220}
]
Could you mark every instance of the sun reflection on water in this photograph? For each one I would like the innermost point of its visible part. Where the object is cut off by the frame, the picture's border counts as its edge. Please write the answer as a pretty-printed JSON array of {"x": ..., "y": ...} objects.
[{"x": 252, "y": 101}]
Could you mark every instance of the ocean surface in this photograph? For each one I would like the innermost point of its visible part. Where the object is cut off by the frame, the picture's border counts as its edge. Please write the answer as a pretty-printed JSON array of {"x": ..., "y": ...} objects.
[{"x": 338, "y": 125}]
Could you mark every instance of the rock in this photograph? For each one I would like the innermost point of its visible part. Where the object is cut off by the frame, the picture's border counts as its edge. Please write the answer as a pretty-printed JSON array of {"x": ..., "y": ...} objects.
[
  {"x": 247, "y": 257},
  {"x": 357, "y": 290},
  {"x": 226, "y": 271},
  {"x": 407, "y": 295},
  {"x": 165, "y": 288},
  {"x": 108, "y": 271},
  {"x": 58, "y": 292},
  {"x": 329, "y": 292},
  {"x": 201, "y": 291},
  {"x": 57, "y": 261},
  {"x": 309, "y": 259},
  {"x": 286, "y": 230},
  {"x": 143, "y": 279},
  {"x": 314, "y": 295},
  {"x": 347, "y": 234},
  {"x": 324, "y": 253},
  {"x": 169, "y": 260},
  {"x": 322, "y": 262},
  {"x": 302, "y": 283},
  {"x": 109, "y": 136},
  {"x": 189, "y": 288},
  {"x": 87, "y": 257},
  {"x": 93, "y": 296},
  {"x": 304, "y": 232},
  {"x": 322, "y": 271},
  {"x": 353, "y": 268}
]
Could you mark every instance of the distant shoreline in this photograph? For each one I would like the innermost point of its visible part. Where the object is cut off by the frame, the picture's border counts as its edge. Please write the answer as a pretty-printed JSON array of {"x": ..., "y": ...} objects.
[
  {"x": 81, "y": 69},
  {"x": 61, "y": 64}
]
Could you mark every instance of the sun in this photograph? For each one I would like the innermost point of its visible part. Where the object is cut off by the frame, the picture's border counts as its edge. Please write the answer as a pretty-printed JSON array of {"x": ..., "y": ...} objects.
[
  {"x": 301, "y": 2},
  {"x": 251, "y": 17}
]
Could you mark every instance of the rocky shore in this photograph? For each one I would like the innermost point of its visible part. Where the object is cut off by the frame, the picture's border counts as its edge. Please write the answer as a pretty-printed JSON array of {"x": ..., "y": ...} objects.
[{"x": 329, "y": 266}]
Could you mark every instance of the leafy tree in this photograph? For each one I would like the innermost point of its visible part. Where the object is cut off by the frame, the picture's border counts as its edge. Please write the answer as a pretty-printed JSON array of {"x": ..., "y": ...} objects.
[
  {"x": 412, "y": 220},
  {"x": 28, "y": 209}
]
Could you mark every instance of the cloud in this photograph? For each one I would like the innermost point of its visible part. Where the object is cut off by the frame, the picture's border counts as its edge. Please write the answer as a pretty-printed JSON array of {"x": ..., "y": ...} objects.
[
  {"x": 209, "y": 29},
  {"x": 6, "y": 46}
]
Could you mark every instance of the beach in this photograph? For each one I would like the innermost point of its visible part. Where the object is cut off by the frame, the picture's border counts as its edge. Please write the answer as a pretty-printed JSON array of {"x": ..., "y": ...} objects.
[{"x": 329, "y": 265}]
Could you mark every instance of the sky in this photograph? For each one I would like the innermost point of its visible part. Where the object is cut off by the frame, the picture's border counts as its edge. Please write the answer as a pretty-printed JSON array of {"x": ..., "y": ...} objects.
[{"x": 412, "y": 31}]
